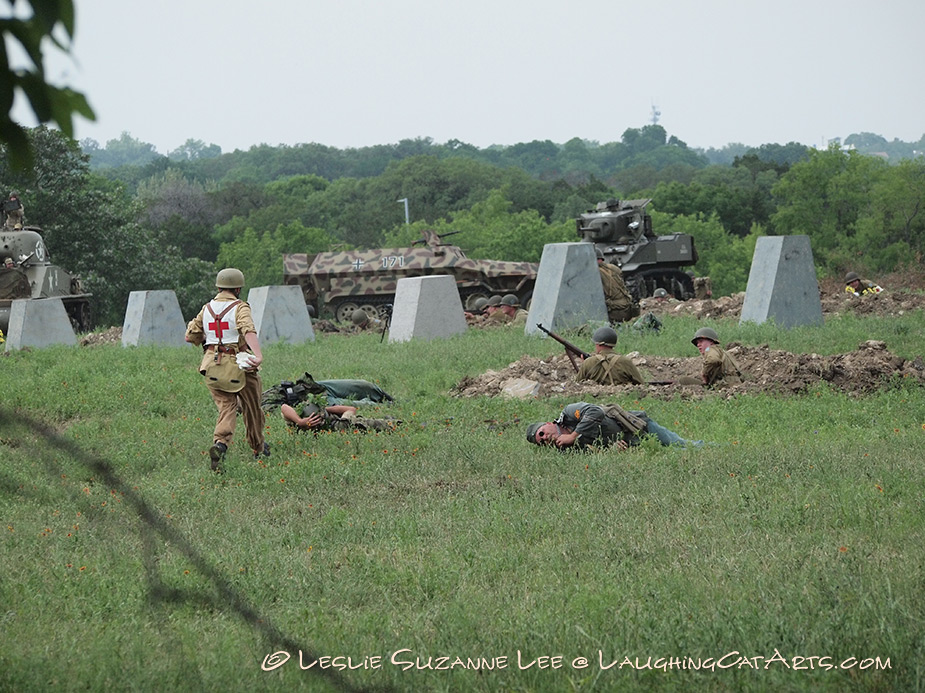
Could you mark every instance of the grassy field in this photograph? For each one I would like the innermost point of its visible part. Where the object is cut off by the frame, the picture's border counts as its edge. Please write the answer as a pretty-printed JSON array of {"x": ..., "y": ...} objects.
[{"x": 451, "y": 555}]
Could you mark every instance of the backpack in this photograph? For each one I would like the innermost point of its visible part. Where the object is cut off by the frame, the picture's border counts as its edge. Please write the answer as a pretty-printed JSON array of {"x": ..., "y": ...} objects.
[{"x": 291, "y": 393}]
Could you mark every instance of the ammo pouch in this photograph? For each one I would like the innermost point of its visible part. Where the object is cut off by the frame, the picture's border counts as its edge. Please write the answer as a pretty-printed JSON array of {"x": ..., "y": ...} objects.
[
  {"x": 633, "y": 423},
  {"x": 221, "y": 372}
]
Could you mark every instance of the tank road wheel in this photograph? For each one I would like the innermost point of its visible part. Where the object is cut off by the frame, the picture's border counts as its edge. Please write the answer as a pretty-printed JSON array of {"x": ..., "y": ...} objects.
[
  {"x": 526, "y": 299},
  {"x": 344, "y": 310},
  {"x": 79, "y": 314}
]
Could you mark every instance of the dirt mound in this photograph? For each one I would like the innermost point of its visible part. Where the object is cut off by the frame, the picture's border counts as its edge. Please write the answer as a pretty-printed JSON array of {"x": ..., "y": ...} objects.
[
  {"x": 111, "y": 336},
  {"x": 834, "y": 301},
  {"x": 869, "y": 368}
]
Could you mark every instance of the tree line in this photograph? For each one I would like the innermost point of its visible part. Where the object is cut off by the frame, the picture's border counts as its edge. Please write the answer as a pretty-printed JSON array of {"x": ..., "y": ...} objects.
[{"x": 171, "y": 222}]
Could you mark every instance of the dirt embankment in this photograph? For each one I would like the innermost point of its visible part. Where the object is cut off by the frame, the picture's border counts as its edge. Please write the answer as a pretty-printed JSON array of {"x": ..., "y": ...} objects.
[
  {"x": 869, "y": 368},
  {"x": 902, "y": 297}
]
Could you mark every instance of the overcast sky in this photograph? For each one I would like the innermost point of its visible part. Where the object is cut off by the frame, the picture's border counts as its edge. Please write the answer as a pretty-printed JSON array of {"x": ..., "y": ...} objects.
[{"x": 353, "y": 73}]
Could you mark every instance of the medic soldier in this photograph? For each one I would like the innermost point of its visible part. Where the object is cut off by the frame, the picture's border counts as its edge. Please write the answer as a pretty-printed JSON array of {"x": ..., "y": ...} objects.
[{"x": 225, "y": 330}]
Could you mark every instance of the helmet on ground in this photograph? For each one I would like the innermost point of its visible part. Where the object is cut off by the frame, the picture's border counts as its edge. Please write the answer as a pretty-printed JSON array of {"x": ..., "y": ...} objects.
[
  {"x": 707, "y": 332},
  {"x": 510, "y": 300},
  {"x": 479, "y": 303},
  {"x": 230, "y": 278},
  {"x": 605, "y": 335},
  {"x": 850, "y": 277},
  {"x": 660, "y": 293},
  {"x": 359, "y": 317},
  {"x": 494, "y": 300}
]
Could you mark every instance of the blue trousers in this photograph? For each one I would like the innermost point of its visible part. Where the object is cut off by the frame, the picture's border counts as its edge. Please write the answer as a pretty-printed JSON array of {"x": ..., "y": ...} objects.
[{"x": 666, "y": 437}]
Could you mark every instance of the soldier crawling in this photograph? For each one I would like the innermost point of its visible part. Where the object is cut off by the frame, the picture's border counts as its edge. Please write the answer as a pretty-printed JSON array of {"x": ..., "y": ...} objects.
[{"x": 584, "y": 426}]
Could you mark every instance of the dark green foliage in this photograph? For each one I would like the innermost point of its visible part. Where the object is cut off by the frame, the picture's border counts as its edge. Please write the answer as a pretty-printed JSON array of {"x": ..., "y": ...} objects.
[
  {"x": 50, "y": 21},
  {"x": 91, "y": 228},
  {"x": 859, "y": 212}
]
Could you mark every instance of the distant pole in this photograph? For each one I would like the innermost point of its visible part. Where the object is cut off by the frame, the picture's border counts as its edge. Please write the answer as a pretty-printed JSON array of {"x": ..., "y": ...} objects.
[{"x": 405, "y": 200}]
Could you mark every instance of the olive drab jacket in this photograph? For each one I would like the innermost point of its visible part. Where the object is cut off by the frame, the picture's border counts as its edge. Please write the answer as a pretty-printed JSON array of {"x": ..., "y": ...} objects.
[
  {"x": 719, "y": 368},
  {"x": 609, "y": 369}
]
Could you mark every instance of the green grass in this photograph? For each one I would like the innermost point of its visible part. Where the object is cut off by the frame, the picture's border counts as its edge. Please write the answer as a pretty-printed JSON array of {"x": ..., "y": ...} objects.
[{"x": 126, "y": 564}]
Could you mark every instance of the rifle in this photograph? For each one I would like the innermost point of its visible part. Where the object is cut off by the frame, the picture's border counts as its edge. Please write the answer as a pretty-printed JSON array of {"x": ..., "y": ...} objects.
[
  {"x": 386, "y": 322},
  {"x": 570, "y": 349}
]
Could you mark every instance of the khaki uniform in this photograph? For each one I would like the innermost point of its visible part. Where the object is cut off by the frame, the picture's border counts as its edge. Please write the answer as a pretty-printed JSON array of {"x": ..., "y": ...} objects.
[
  {"x": 520, "y": 317},
  {"x": 609, "y": 369},
  {"x": 617, "y": 298},
  {"x": 226, "y": 336},
  {"x": 371, "y": 325},
  {"x": 499, "y": 317},
  {"x": 719, "y": 368}
]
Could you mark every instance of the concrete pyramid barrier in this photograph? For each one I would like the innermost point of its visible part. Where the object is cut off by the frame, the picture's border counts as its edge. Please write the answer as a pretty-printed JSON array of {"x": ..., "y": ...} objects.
[
  {"x": 426, "y": 308},
  {"x": 782, "y": 283},
  {"x": 153, "y": 317},
  {"x": 280, "y": 314},
  {"x": 39, "y": 323},
  {"x": 568, "y": 290}
]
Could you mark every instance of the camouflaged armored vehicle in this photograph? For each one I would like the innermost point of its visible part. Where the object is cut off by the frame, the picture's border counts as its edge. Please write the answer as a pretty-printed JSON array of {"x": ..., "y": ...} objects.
[
  {"x": 623, "y": 232},
  {"x": 32, "y": 276},
  {"x": 342, "y": 282}
]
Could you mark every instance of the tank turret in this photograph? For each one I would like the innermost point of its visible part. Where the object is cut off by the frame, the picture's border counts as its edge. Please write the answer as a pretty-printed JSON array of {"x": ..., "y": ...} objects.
[
  {"x": 622, "y": 230},
  {"x": 26, "y": 271}
]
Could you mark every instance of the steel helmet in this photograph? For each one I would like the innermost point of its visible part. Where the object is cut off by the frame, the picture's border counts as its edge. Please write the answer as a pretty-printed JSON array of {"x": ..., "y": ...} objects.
[
  {"x": 850, "y": 277},
  {"x": 598, "y": 253},
  {"x": 494, "y": 300},
  {"x": 509, "y": 300},
  {"x": 479, "y": 303},
  {"x": 707, "y": 332},
  {"x": 532, "y": 429},
  {"x": 605, "y": 335},
  {"x": 358, "y": 317},
  {"x": 660, "y": 293},
  {"x": 230, "y": 278}
]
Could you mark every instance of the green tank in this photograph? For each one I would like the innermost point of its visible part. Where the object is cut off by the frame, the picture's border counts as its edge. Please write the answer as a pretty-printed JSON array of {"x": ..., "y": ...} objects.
[
  {"x": 33, "y": 276},
  {"x": 622, "y": 230},
  {"x": 342, "y": 282}
]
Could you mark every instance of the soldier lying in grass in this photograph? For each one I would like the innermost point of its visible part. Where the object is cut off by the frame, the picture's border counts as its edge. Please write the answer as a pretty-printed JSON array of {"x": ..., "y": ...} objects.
[
  {"x": 336, "y": 417},
  {"x": 582, "y": 426}
]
